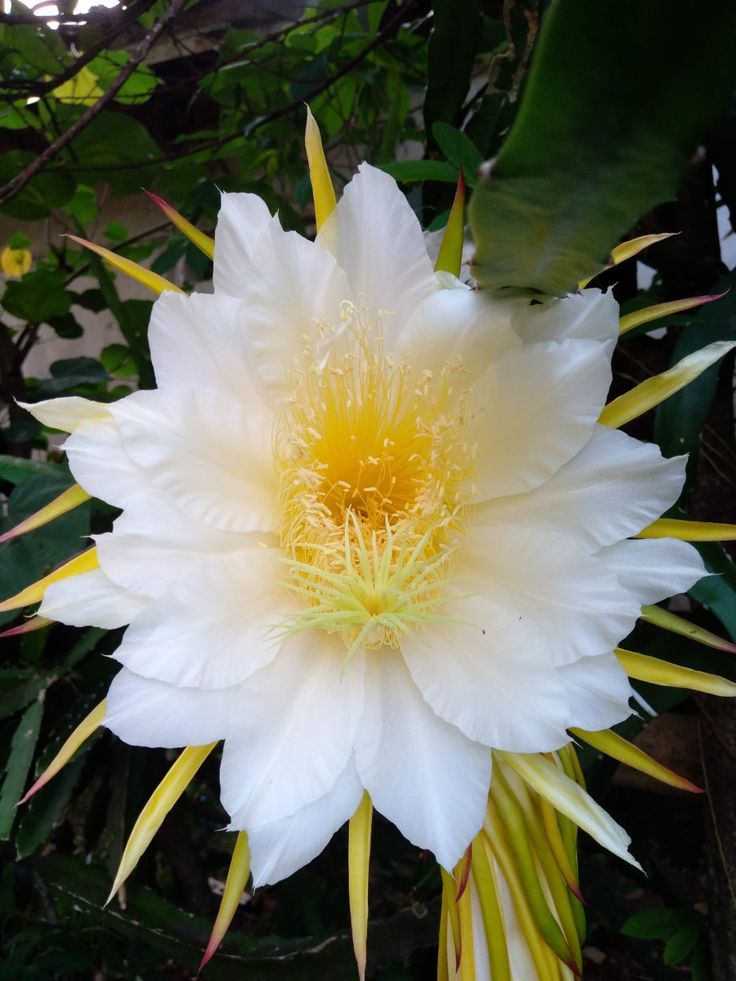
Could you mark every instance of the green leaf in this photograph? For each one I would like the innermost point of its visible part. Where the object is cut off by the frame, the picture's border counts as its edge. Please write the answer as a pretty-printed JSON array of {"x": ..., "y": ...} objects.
[
  {"x": 602, "y": 135},
  {"x": 45, "y": 810},
  {"x": 717, "y": 592},
  {"x": 18, "y": 688},
  {"x": 16, "y": 469},
  {"x": 453, "y": 43},
  {"x": 656, "y": 924},
  {"x": 459, "y": 150},
  {"x": 680, "y": 944},
  {"x": 411, "y": 171},
  {"x": 37, "y": 297},
  {"x": 19, "y": 241},
  {"x": 18, "y": 764}
]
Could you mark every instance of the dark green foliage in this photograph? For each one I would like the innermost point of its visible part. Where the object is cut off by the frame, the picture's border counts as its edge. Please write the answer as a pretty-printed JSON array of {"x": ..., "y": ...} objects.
[{"x": 602, "y": 136}]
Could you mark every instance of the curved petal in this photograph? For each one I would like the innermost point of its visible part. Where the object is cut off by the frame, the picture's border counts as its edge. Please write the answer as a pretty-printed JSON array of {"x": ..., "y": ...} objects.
[
  {"x": 240, "y": 222},
  {"x": 501, "y": 702},
  {"x": 654, "y": 568},
  {"x": 599, "y": 692},
  {"x": 293, "y": 735},
  {"x": 200, "y": 341},
  {"x": 590, "y": 315},
  {"x": 67, "y": 413},
  {"x": 154, "y": 543},
  {"x": 212, "y": 628},
  {"x": 457, "y": 326},
  {"x": 293, "y": 303},
  {"x": 612, "y": 488},
  {"x": 422, "y": 774},
  {"x": 150, "y": 713},
  {"x": 90, "y": 600},
  {"x": 204, "y": 450},
  {"x": 282, "y": 847},
  {"x": 378, "y": 241},
  {"x": 100, "y": 464},
  {"x": 540, "y": 597},
  {"x": 536, "y": 407}
]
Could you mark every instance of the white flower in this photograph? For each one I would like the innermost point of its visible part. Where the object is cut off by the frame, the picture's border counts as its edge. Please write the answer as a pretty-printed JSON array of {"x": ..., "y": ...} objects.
[{"x": 370, "y": 529}]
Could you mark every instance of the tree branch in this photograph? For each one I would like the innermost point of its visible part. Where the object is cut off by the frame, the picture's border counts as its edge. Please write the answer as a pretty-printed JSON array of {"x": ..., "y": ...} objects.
[
  {"x": 39, "y": 88},
  {"x": 17, "y": 184}
]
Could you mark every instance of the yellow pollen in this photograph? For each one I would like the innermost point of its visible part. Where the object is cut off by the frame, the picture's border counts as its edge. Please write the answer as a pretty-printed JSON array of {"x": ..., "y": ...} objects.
[{"x": 374, "y": 483}]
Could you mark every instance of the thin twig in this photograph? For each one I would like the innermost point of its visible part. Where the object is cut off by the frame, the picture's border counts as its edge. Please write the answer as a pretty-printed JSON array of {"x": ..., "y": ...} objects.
[
  {"x": 53, "y": 149},
  {"x": 39, "y": 88}
]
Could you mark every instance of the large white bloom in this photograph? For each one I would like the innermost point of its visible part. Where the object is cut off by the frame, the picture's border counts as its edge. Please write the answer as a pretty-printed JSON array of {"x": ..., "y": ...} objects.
[{"x": 370, "y": 529}]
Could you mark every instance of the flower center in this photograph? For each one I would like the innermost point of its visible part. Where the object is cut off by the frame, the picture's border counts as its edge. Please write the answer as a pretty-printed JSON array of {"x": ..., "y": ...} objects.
[{"x": 374, "y": 477}]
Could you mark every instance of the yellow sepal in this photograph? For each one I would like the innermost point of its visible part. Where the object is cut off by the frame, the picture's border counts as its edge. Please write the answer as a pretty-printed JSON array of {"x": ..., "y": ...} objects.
[
  {"x": 647, "y": 314},
  {"x": 69, "y": 499},
  {"x": 127, "y": 267},
  {"x": 654, "y": 390},
  {"x": 642, "y": 667},
  {"x": 81, "y": 734},
  {"x": 689, "y": 531},
  {"x": 237, "y": 879},
  {"x": 679, "y": 625},
  {"x": 622, "y": 750},
  {"x": 450, "y": 256},
  {"x": 85, "y": 562},
  {"x": 203, "y": 242},
  {"x": 491, "y": 911},
  {"x": 157, "y": 807},
  {"x": 359, "y": 857},
  {"x": 627, "y": 250},
  {"x": 319, "y": 174}
]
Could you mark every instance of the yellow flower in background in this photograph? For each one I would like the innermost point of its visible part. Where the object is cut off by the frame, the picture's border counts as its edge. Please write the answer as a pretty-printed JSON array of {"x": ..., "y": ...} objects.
[
  {"x": 381, "y": 536},
  {"x": 15, "y": 262}
]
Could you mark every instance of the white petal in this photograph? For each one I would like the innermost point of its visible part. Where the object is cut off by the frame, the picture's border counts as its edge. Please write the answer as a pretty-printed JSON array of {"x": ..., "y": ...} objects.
[
  {"x": 611, "y": 489},
  {"x": 67, "y": 413},
  {"x": 212, "y": 628},
  {"x": 422, "y": 774},
  {"x": 282, "y": 847},
  {"x": 154, "y": 543},
  {"x": 537, "y": 407},
  {"x": 297, "y": 289},
  {"x": 143, "y": 712},
  {"x": 455, "y": 325},
  {"x": 100, "y": 464},
  {"x": 379, "y": 243},
  {"x": 500, "y": 702},
  {"x": 293, "y": 734},
  {"x": 654, "y": 569},
  {"x": 200, "y": 341},
  {"x": 240, "y": 222},
  {"x": 546, "y": 600},
  {"x": 591, "y": 315},
  {"x": 210, "y": 454},
  {"x": 90, "y": 600},
  {"x": 599, "y": 692}
]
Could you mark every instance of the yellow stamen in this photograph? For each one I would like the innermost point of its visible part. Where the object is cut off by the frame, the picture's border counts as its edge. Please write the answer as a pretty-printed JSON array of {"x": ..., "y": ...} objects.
[{"x": 374, "y": 470}]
